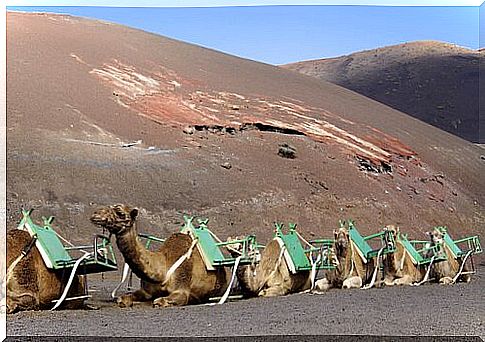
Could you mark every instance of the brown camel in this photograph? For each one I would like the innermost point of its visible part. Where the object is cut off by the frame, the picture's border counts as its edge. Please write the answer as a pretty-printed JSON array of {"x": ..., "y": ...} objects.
[
  {"x": 446, "y": 270},
  {"x": 351, "y": 271},
  {"x": 30, "y": 284},
  {"x": 271, "y": 276},
  {"x": 189, "y": 283},
  {"x": 400, "y": 268}
]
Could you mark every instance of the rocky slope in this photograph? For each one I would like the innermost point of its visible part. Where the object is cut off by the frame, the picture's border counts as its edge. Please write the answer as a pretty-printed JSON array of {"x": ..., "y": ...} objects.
[
  {"x": 435, "y": 82},
  {"x": 99, "y": 113}
]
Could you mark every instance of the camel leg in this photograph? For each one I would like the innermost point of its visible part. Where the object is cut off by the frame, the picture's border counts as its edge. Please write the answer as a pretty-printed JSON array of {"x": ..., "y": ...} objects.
[
  {"x": 405, "y": 280},
  {"x": 322, "y": 285},
  {"x": 465, "y": 277},
  {"x": 352, "y": 282},
  {"x": 126, "y": 300},
  {"x": 176, "y": 298},
  {"x": 24, "y": 301},
  {"x": 446, "y": 280},
  {"x": 389, "y": 281},
  {"x": 273, "y": 291}
]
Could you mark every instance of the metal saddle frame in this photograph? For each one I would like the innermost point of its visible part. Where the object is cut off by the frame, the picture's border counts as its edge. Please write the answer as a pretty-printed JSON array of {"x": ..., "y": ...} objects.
[
  {"x": 210, "y": 246},
  {"x": 371, "y": 246},
  {"x": 383, "y": 239},
  {"x": 65, "y": 257},
  {"x": 420, "y": 251},
  {"x": 462, "y": 249},
  {"x": 302, "y": 257}
]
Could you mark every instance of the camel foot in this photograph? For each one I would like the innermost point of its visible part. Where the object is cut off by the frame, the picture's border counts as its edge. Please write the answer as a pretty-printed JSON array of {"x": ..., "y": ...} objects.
[
  {"x": 21, "y": 302},
  {"x": 403, "y": 281},
  {"x": 446, "y": 280},
  {"x": 125, "y": 301},
  {"x": 379, "y": 284},
  {"x": 91, "y": 307},
  {"x": 321, "y": 285},
  {"x": 10, "y": 309},
  {"x": 177, "y": 298},
  {"x": 389, "y": 281},
  {"x": 161, "y": 303},
  {"x": 352, "y": 282},
  {"x": 272, "y": 292}
]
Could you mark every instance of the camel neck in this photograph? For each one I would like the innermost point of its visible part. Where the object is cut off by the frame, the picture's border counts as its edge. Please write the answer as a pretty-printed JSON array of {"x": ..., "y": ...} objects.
[
  {"x": 147, "y": 265},
  {"x": 345, "y": 262}
]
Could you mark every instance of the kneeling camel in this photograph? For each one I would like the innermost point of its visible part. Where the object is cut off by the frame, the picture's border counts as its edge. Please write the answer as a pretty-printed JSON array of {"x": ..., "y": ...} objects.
[{"x": 188, "y": 283}]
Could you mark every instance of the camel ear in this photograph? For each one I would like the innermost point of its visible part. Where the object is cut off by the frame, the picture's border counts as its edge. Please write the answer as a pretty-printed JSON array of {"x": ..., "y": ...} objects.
[{"x": 134, "y": 213}]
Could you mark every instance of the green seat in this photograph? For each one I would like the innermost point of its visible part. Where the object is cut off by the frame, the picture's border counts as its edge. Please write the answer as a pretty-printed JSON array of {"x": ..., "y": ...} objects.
[
  {"x": 421, "y": 256},
  {"x": 471, "y": 243},
  {"x": 363, "y": 246},
  {"x": 57, "y": 256},
  {"x": 210, "y": 249},
  {"x": 295, "y": 249},
  {"x": 298, "y": 254}
]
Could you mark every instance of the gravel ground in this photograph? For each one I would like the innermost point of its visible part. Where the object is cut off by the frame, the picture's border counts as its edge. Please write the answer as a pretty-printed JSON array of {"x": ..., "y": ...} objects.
[{"x": 426, "y": 310}]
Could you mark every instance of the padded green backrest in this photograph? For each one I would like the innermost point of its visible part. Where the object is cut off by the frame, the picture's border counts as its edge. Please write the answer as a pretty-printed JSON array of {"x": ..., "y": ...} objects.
[
  {"x": 296, "y": 251},
  {"x": 457, "y": 252},
  {"x": 359, "y": 241},
  {"x": 411, "y": 250},
  {"x": 208, "y": 244},
  {"x": 50, "y": 243}
]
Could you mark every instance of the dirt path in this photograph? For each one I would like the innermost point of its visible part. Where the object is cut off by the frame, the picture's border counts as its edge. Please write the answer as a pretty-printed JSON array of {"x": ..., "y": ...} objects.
[{"x": 426, "y": 310}]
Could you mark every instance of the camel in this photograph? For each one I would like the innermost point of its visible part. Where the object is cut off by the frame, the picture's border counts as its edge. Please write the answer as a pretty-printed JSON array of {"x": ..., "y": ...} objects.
[
  {"x": 188, "y": 283},
  {"x": 350, "y": 271},
  {"x": 400, "y": 268},
  {"x": 270, "y": 277},
  {"x": 30, "y": 284},
  {"x": 445, "y": 271}
]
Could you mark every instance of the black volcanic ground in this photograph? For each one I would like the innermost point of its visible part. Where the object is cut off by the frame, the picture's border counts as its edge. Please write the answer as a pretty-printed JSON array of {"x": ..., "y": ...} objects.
[
  {"x": 78, "y": 89},
  {"x": 435, "y": 82}
]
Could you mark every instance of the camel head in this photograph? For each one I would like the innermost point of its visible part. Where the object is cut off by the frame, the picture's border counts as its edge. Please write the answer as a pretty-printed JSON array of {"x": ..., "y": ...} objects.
[
  {"x": 393, "y": 229},
  {"x": 341, "y": 241},
  {"x": 116, "y": 218},
  {"x": 436, "y": 236},
  {"x": 236, "y": 248},
  {"x": 330, "y": 255},
  {"x": 394, "y": 232}
]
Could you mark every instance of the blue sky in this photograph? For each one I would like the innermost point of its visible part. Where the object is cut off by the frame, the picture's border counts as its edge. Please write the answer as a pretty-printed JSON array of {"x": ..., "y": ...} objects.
[
  {"x": 283, "y": 34},
  {"x": 482, "y": 25}
]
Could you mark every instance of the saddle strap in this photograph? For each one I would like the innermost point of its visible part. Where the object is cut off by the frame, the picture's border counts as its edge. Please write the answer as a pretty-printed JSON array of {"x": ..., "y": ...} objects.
[{"x": 23, "y": 253}]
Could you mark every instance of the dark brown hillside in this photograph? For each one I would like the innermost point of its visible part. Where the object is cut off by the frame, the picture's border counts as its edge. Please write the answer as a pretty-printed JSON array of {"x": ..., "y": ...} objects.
[
  {"x": 435, "y": 82},
  {"x": 209, "y": 127}
]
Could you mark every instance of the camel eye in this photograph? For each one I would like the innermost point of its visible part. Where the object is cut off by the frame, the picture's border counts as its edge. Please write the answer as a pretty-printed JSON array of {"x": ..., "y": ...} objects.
[{"x": 120, "y": 213}]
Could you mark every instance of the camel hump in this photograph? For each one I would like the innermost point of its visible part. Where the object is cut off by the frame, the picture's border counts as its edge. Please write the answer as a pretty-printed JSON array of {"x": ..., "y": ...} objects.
[
  {"x": 19, "y": 235},
  {"x": 176, "y": 245},
  {"x": 270, "y": 255},
  {"x": 16, "y": 241},
  {"x": 25, "y": 271}
]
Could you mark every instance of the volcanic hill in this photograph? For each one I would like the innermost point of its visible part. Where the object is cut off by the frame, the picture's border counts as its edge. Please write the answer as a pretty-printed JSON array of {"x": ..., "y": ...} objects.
[
  {"x": 435, "y": 82},
  {"x": 99, "y": 113}
]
